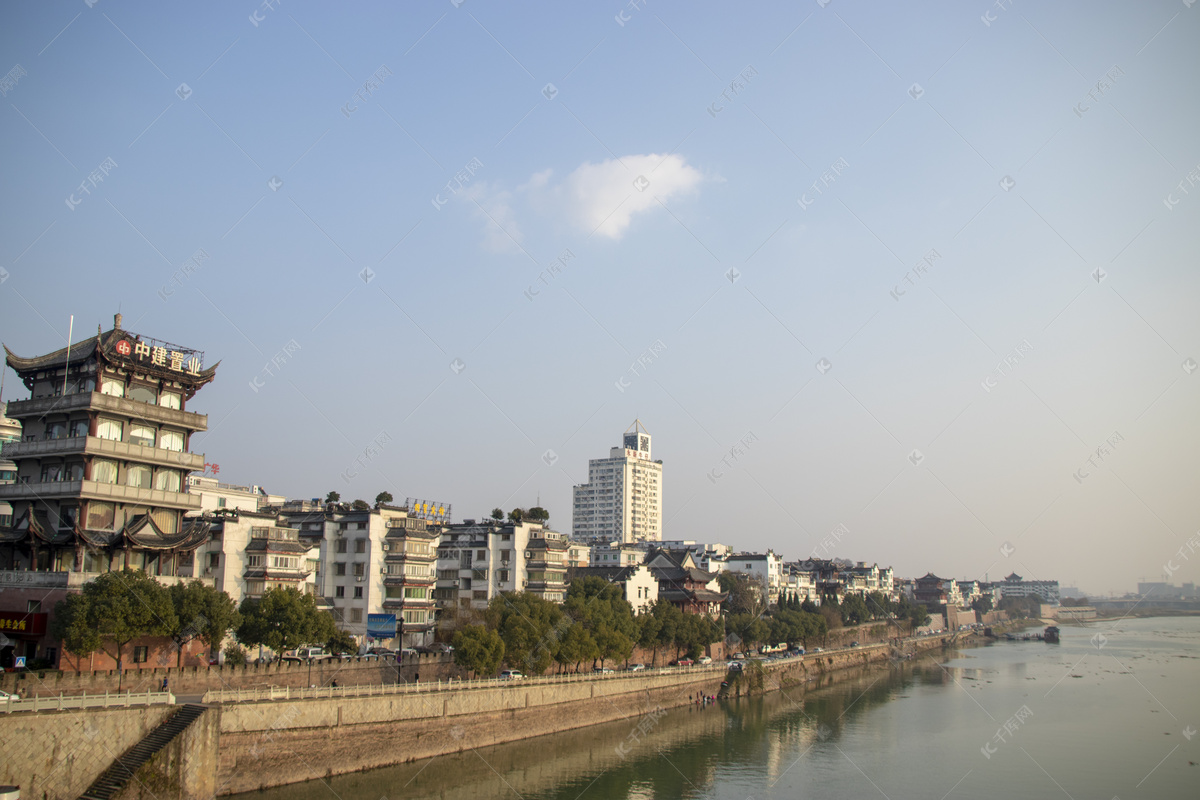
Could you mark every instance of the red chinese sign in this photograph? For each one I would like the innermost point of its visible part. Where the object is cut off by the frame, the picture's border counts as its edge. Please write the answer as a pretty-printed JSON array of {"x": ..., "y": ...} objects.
[
  {"x": 124, "y": 348},
  {"x": 25, "y": 624}
]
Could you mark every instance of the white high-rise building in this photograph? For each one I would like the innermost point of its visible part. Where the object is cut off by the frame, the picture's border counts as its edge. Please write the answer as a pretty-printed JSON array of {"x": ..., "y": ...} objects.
[{"x": 622, "y": 500}]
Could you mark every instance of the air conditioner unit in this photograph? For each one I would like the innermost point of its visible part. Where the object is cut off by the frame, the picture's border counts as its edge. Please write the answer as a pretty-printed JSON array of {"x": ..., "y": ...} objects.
[{"x": 360, "y": 578}]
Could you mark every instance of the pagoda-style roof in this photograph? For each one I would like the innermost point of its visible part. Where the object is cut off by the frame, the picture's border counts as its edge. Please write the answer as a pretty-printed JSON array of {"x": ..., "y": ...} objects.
[
  {"x": 122, "y": 348},
  {"x": 139, "y": 533}
]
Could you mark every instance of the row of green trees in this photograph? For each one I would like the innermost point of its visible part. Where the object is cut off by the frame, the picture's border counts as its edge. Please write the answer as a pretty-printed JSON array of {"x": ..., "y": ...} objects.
[
  {"x": 594, "y": 625},
  {"x": 116, "y": 608}
]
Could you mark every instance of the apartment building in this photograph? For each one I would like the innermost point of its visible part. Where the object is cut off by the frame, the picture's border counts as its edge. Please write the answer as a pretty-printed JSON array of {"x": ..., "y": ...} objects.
[
  {"x": 622, "y": 500},
  {"x": 477, "y": 561}
]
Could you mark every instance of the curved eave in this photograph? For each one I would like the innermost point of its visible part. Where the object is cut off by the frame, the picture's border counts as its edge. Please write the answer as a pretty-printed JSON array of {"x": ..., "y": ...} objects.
[{"x": 80, "y": 352}]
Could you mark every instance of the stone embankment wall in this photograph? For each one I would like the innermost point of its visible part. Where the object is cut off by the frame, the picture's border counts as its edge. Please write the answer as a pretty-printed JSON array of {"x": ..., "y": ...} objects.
[
  {"x": 55, "y": 755},
  {"x": 186, "y": 769},
  {"x": 198, "y": 680},
  {"x": 271, "y": 743}
]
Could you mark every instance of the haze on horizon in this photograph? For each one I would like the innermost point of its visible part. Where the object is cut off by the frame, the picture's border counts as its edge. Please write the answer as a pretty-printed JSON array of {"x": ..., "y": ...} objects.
[{"x": 923, "y": 261}]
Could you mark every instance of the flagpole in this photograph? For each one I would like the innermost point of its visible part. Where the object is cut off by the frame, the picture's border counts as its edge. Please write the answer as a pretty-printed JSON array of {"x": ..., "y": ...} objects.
[{"x": 67, "y": 366}]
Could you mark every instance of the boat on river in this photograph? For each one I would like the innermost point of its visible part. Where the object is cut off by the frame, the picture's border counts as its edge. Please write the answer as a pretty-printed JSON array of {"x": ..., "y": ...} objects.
[{"x": 1050, "y": 635}]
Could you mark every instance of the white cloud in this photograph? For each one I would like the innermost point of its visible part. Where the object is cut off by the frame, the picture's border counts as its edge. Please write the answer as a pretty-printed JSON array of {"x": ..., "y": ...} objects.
[
  {"x": 494, "y": 207},
  {"x": 605, "y": 197},
  {"x": 601, "y": 197}
]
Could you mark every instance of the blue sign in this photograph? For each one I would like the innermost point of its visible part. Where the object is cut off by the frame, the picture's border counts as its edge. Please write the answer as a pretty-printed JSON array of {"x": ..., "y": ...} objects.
[
  {"x": 381, "y": 626},
  {"x": 19, "y": 662}
]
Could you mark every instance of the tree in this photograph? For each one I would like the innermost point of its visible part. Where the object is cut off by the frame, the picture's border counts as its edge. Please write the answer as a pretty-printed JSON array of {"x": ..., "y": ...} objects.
[
  {"x": 649, "y": 628},
  {"x": 333, "y": 497},
  {"x": 283, "y": 619},
  {"x": 854, "y": 610},
  {"x": 235, "y": 656},
  {"x": 383, "y": 497},
  {"x": 201, "y": 612},
  {"x": 530, "y": 627},
  {"x": 360, "y": 505},
  {"x": 498, "y": 514},
  {"x": 747, "y": 594},
  {"x": 341, "y": 642},
  {"x": 537, "y": 514},
  {"x": 983, "y": 603},
  {"x": 516, "y": 515},
  {"x": 110, "y": 612},
  {"x": 478, "y": 649},
  {"x": 576, "y": 646},
  {"x": 605, "y": 614}
]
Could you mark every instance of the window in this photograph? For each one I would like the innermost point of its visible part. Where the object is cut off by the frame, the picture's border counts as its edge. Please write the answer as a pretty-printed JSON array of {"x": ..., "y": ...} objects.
[
  {"x": 56, "y": 430},
  {"x": 255, "y": 587},
  {"x": 416, "y": 593},
  {"x": 254, "y": 561},
  {"x": 340, "y": 547},
  {"x": 362, "y": 526},
  {"x": 112, "y": 386},
  {"x": 220, "y": 502},
  {"x": 142, "y": 393},
  {"x": 481, "y": 555},
  {"x": 360, "y": 569},
  {"x": 214, "y": 560},
  {"x": 52, "y": 472},
  {"x": 110, "y": 429},
  {"x": 358, "y": 592},
  {"x": 339, "y": 568},
  {"x": 67, "y": 516},
  {"x": 104, "y": 471},
  {"x": 168, "y": 400},
  {"x": 33, "y": 607},
  {"x": 166, "y": 480},
  {"x": 140, "y": 654},
  {"x": 142, "y": 434},
  {"x": 504, "y": 576},
  {"x": 171, "y": 440},
  {"x": 417, "y": 616},
  {"x": 356, "y": 615},
  {"x": 360, "y": 545},
  {"x": 285, "y": 562},
  {"x": 78, "y": 427},
  {"x": 138, "y": 475},
  {"x": 339, "y": 591},
  {"x": 166, "y": 520}
]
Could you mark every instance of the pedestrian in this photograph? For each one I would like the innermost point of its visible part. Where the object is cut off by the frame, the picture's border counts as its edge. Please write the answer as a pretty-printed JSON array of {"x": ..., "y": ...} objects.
[
  {"x": 164, "y": 684},
  {"x": 416, "y": 677},
  {"x": 335, "y": 683}
]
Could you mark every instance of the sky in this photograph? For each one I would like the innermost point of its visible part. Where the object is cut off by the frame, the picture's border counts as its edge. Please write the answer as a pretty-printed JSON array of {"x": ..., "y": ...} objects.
[{"x": 911, "y": 283}]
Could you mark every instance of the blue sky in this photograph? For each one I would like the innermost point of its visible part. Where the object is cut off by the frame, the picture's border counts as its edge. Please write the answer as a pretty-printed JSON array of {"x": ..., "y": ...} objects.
[{"x": 925, "y": 259}]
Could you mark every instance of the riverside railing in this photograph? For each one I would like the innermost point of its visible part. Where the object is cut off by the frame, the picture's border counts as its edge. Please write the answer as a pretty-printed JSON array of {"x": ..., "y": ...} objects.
[{"x": 106, "y": 700}]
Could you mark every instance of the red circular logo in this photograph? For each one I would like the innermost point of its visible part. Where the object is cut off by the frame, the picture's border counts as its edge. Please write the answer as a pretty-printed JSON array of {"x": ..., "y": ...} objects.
[{"x": 124, "y": 348}]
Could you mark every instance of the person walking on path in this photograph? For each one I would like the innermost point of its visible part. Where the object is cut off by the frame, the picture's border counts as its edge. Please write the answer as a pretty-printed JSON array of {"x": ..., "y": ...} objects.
[{"x": 164, "y": 683}]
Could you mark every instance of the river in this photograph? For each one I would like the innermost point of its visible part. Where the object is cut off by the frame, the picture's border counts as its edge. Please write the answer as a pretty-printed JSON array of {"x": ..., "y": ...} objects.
[{"x": 1111, "y": 711}]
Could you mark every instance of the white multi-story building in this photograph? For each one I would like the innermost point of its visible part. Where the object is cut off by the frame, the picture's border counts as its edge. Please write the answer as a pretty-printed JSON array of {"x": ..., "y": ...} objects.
[
  {"x": 1016, "y": 586},
  {"x": 766, "y": 567},
  {"x": 622, "y": 500},
  {"x": 215, "y": 495},
  {"x": 478, "y": 561},
  {"x": 248, "y": 553},
  {"x": 616, "y": 554}
]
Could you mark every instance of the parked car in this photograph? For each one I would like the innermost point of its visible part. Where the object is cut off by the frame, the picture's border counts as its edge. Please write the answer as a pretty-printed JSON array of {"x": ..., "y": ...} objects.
[
  {"x": 635, "y": 668},
  {"x": 408, "y": 652},
  {"x": 799, "y": 651},
  {"x": 736, "y": 666},
  {"x": 818, "y": 650},
  {"x": 704, "y": 660},
  {"x": 604, "y": 670},
  {"x": 308, "y": 654},
  {"x": 5, "y": 696},
  {"x": 854, "y": 644},
  {"x": 510, "y": 675},
  {"x": 739, "y": 655},
  {"x": 683, "y": 662}
]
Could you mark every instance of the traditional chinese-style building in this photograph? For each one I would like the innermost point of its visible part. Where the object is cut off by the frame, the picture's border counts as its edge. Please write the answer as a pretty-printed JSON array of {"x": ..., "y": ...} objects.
[{"x": 104, "y": 458}]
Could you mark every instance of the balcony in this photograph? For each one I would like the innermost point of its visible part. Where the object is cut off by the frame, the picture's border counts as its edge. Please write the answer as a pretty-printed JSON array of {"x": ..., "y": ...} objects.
[
  {"x": 93, "y": 446},
  {"x": 119, "y": 406},
  {"x": 91, "y": 490}
]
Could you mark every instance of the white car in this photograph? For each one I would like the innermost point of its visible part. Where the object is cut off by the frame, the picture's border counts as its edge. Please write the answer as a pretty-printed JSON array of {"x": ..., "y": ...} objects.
[
  {"x": 704, "y": 660},
  {"x": 635, "y": 667},
  {"x": 511, "y": 675}
]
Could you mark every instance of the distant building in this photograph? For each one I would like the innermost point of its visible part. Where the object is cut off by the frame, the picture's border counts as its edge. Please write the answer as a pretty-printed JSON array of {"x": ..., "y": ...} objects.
[
  {"x": 622, "y": 500},
  {"x": 248, "y": 553},
  {"x": 766, "y": 568},
  {"x": 1016, "y": 586},
  {"x": 931, "y": 590},
  {"x": 684, "y": 585},
  {"x": 638, "y": 583},
  {"x": 616, "y": 554},
  {"x": 215, "y": 496},
  {"x": 478, "y": 561}
]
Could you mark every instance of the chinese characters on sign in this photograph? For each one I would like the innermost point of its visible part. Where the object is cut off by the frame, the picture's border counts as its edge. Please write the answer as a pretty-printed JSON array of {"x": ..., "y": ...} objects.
[
  {"x": 159, "y": 356},
  {"x": 97, "y": 176},
  {"x": 460, "y": 179},
  {"x": 12, "y": 624},
  {"x": 211, "y": 469}
]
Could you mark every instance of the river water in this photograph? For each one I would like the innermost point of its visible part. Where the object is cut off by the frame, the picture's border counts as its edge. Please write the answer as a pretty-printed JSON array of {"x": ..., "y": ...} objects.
[{"x": 1110, "y": 712}]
